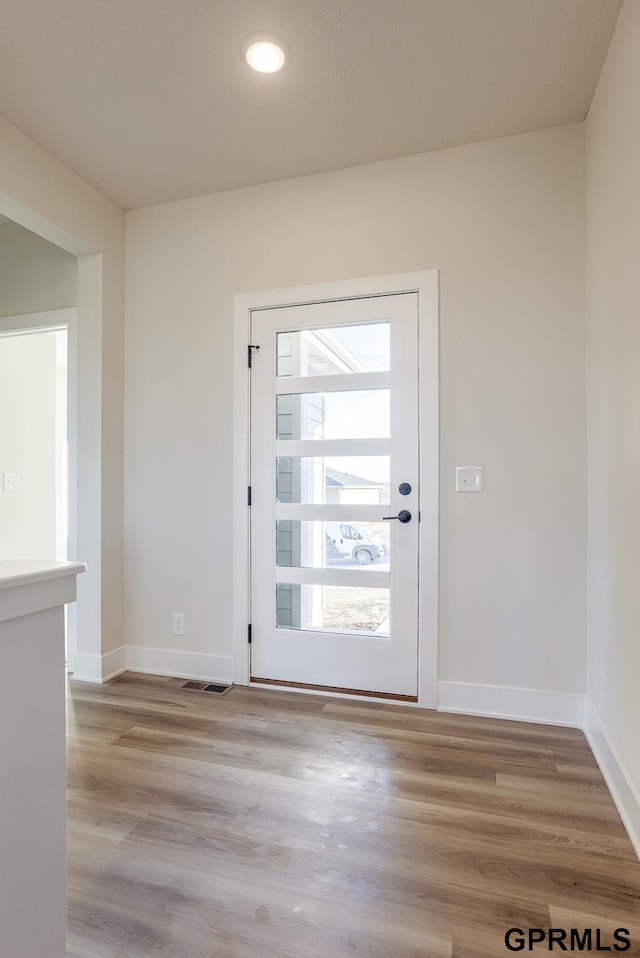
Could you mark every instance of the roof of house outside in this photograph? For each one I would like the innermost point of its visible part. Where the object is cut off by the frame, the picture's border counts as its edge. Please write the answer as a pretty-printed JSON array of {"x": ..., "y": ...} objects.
[{"x": 343, "y": 479}]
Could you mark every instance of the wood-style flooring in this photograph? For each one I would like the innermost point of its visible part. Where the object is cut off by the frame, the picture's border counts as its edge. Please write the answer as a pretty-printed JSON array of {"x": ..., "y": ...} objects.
[{"x": 267, "y": 823}]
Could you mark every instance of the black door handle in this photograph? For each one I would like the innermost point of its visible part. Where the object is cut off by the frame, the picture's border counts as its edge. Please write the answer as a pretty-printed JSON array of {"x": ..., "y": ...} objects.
[{"x": 403, "y": 516}]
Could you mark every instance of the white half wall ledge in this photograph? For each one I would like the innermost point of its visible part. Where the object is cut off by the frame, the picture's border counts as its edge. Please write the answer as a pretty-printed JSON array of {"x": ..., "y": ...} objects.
[
  {"x": 32, "y": 585},
  {"x": 623, "y": 792},
  {"x": 518, "y": 705}
]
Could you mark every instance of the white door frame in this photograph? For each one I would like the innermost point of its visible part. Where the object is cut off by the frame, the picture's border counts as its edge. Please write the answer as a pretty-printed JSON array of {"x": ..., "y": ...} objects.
[
  {"x": 425, "y": 283},
  {"x": 85, "y": 464},
  {"x": 48, "y": 321}
]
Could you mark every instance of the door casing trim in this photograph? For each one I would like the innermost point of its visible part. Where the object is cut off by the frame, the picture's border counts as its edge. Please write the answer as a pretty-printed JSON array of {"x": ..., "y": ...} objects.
[{"x": 426, "y": 285}]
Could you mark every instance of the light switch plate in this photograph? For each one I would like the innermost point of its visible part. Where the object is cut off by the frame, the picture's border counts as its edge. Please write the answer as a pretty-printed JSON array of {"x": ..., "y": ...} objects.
[
  {"x": 11, "y": 482},
  {"x": 469, "y": 479}
]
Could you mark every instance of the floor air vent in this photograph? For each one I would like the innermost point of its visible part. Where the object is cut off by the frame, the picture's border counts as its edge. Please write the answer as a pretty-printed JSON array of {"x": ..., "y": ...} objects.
[{"x": 206, "y": 687}]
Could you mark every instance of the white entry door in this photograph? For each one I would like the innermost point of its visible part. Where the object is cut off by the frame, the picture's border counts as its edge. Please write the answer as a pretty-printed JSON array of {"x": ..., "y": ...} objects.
[{"x": 334, "y": 481}]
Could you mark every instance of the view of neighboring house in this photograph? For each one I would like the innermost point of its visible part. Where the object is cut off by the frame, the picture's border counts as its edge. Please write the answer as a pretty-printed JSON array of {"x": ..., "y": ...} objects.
[{"x": 346, "y": 488}]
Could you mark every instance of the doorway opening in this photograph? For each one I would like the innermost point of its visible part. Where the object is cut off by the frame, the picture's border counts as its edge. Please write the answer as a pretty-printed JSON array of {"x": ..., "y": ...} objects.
[
  {"x": 334, "y": 451},
  {"x": 34, "y": 443},
  {"x": 19, "y": 225},
  {"x": 34, "y": 437}
]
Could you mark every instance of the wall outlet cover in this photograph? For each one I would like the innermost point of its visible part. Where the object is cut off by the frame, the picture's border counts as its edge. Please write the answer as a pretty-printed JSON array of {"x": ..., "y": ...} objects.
[{"x": 11, "y": 482}]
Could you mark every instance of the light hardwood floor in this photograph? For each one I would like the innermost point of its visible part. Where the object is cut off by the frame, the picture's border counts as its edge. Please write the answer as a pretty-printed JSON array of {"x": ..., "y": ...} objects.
[{"x": 266, "y": 823}]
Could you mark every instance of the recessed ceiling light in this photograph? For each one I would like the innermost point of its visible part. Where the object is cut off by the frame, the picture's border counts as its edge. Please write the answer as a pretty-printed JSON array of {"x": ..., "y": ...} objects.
[{"x": 265, "y": 52}]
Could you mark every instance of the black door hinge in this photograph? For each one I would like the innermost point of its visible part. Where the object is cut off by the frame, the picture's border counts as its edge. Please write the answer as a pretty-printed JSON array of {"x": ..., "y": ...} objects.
[
  {"x": 249, "y": 633},
  {"x": 250, "y": 354},
  {"x": 248, "y": 495}
]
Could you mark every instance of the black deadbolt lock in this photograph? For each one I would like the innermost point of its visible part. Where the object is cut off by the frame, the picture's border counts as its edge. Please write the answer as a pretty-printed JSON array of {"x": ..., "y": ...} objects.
[{"x": 404, "y": 488}]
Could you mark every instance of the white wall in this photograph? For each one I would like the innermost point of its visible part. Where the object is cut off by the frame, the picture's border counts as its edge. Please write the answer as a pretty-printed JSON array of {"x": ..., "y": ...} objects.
[
  {"x": 613, "y": 390},
  {"x": 504, "y": 223},
  {"x": 34, "y": 275},
  {"x": 41, "y": 194},
  {"x": 28, "y": 445}
]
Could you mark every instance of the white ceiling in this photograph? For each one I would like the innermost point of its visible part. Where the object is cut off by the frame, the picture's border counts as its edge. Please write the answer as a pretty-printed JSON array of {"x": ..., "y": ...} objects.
[{"x": 150, "y": 99}]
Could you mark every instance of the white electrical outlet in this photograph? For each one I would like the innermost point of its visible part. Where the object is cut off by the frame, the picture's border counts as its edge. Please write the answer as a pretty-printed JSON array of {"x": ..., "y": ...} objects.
[
  {"x": 178, "y": 623},
  {"x": 11, "y": 482}
]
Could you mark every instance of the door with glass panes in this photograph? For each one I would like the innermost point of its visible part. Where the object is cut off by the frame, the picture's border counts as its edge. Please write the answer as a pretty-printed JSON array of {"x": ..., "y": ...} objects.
[{"x": 334, "y": 477}]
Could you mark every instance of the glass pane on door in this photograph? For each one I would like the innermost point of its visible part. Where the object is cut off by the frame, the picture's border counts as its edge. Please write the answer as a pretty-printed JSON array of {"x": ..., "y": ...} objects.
[
  {"x": 329, "y": 351},
  {"x": 313, "y": 544},
  {"x": 333, "y": 608},
  {"x": 357, "y": 414},
  {"x": 318, "y": 480}
]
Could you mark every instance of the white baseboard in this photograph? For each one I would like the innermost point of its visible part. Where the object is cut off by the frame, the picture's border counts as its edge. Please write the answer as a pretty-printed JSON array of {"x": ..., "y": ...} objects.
[
  {"x": 113, "y": 663},
  {"x": 98, "y": 668},
  {"x": 86, "y": 668},
  {"x": 187, "y": 665},
  {"x": 135, "y": 658},
  {"x": 619, "y": 783},
  {"x": 520, "y": 705}
]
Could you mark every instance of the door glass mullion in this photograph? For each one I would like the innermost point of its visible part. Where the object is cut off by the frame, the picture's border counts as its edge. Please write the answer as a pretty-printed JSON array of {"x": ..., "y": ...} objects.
[{"x": 327, "y": 384}]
